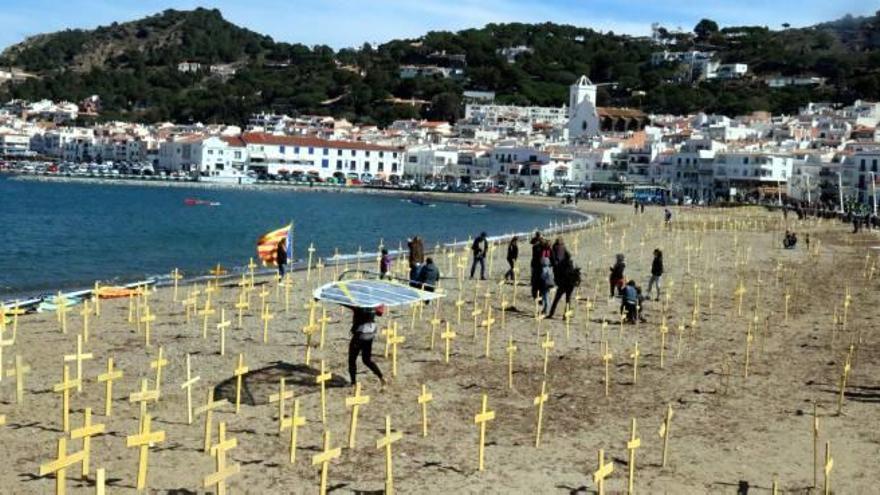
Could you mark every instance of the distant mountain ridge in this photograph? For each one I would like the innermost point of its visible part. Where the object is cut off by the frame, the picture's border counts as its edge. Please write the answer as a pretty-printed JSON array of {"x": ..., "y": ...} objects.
[{"x": 132, "y": 66}]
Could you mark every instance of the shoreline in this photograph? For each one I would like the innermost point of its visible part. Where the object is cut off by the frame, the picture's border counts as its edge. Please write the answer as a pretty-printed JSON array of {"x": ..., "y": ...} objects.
[{"x": 586, "y": 219}]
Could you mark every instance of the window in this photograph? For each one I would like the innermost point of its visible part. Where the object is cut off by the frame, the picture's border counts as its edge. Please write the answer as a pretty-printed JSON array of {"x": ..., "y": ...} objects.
[
  {"x": 352, "y": 152},
  {"x": 338, "y": 164},
  {"x": 413, "y": 159},
  {"x": 338, "y": 152},
  {"x": 366, "y": 166},
  {"x": 368, "y": 152},
  {"x": 874, "y": 165},
  {"x": 295, "y": 150},
  {"x": 325, "y": 151},
  {"x": 394, "y": 155},
  {"x": 238, "y": 155},
  {"x": 311, "y": 150},
  {"x": 745, "y": 160},
  {"x": 281, "y": 149},
  {"x": 381, "y": 154},
  {"x": 211, "y": 152},
  {"x": 381, "y": 166},
  {"x": 352, "y": 165},
  {"x": 394, "y": 166},
  {"x": 862, "y": 165}
]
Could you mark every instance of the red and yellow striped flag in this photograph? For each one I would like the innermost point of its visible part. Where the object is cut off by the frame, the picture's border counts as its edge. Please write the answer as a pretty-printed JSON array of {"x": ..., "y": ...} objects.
[{"x": 267, "y": 245}]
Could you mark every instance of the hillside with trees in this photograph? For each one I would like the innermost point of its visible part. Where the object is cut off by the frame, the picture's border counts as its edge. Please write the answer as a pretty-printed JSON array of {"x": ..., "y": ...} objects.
[{"x": 133, "y": 68}]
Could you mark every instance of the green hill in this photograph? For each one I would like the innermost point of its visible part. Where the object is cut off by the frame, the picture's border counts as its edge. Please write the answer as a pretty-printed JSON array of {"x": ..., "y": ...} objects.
[{"x": 133, "y": 67}]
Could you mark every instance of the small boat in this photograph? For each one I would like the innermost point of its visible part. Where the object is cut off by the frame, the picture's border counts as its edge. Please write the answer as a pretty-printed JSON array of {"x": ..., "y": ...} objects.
[
  {"x": 420, "y": 202},
  {"x": 473, "y": 204},
  {"x": 116, "y": 292},
  {"x": 200, "y": 202}
]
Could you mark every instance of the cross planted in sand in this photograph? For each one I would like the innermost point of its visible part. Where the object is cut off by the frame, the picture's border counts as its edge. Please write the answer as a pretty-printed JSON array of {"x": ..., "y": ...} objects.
[
  {"x": 355, "y": 402},
  {"x": 293, "y": 422},
  {"x": 64, "y": 388},
  {"x": 208, "y": 411},
  {"x": 280, "y": 397},
  {"x": 324, "y": 459},
  {"x": 603, "y": 471},
  {"x": 79, "y": 357},
  {"x": 109, "y": 376},
  {"x": 188, "y": 384},
  {"x": 143, "y": 440},
  {"x": 60, "y": 464},
  {"x": 385, "y": 443},
  {"x": 223, "y": 472},
  {"x": 424, "y": 398},
  {"x": 239, "y": 372},
  {"x": 86, "y": 432},
  {"x": 18, "y": 371},
  {"x": 481, "y": 419},
  {"x": 159, "y": 363}
]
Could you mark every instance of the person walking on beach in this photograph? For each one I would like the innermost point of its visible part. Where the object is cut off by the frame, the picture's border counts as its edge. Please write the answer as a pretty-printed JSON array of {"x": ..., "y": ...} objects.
[
  {"x": 384, "y": 264},
  {"x": 363, "y": 331},
  {"x": 281, "y": 257},
  {"x": 615, "y": 279},
  {"x": 416, "y": 258},
  {"x": 667, "y": 216},
  {"x": 656, "y": 274},
  {"x": 568, "y": 277},
  {"x": 547, "y": 283},
  {"x": 480, "y": 247},
  {"x": 512, "y": 255},
  {"x": 537, "y": 250}
]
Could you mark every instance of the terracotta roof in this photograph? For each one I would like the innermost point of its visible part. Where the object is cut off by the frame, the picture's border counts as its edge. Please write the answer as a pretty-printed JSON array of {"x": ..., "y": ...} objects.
[
  {"x": 234, "y": 141},
  {"x": 271, "y": 139},
  {"x": 620, "y": 112}
]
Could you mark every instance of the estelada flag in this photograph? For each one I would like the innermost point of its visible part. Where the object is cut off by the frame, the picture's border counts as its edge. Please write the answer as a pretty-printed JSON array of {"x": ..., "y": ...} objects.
[{"x": 267, "y": 245}]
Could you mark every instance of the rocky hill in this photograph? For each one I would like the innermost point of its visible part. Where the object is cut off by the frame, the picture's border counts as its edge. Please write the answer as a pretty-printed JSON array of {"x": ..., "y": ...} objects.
[{"x": 133, "y": 67}]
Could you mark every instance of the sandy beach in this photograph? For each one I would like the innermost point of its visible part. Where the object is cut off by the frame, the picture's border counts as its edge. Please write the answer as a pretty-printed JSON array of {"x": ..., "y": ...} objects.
[{"x": 728, "y": 433}]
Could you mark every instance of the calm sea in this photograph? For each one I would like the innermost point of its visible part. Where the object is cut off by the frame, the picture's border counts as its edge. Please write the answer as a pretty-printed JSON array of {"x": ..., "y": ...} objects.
[{"x": 59, "y": 235}]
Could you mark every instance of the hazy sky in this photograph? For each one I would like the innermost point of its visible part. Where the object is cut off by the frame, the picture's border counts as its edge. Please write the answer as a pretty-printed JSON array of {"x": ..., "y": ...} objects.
[{"x": 341, "y": 23}]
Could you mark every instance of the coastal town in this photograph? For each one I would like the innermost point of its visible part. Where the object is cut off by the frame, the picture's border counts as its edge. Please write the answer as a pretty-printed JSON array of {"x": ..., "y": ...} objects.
[{"x": 826, "y": 154}]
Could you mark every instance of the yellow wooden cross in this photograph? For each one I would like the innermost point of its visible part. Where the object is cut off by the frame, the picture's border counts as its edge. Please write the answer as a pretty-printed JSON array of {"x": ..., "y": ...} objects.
[
  {"x": 547, "y": 345},
  {"x": 147, "y": 319},
  {"x": 634, "y": 443},
  {"x": 293, "y": 422},
  {"x": 108, "y": 377},
  {"x": 100, "y": 481},
  {"x": 603, "y": 471},
  {"x": 311, "y": 251},
  {"x": 3, "y": 343},
  {"x": 606, "y": 357},
  {"x": 539, "y": 402},
  {"x": 309, "y": 330},
  {"x": 86, "y": 432},
  {"x": 239, "y": 373},
  {"x": 481, "y": 419},
  {"x": 241, "y": 305},
  {"x": 488, "y": 322},
  {"x": 206, "y": 314},
  {"x": 143, "y": 440},
  {"x": 829, "y": 465},
  {"x": 663, "y": 331},
  {"x": 61, "y": 311},
  {"x": 158, "y": 364},
  {"x": 459, "y": 303},
  {"x": 208, "y": 411},
  {"x": 664, "y": 433},
  {"x": 78, "y": 357},
  {"x": 635, "y": 357},
  {"x": 60, "y": 464},
  {"x": 280, "y": 397},
  {"x": 64, "y": 388},
  {"x": 218, "y": 451},
  {"x": 395, "y": 340},
  {"x": 175, "y": 276},
  {"x": 288, "y": 286},
  {"x": 749, "y": 338},
  {"x": 740, "y": 292},
  {"x": 847, "y": 367},
  {"x": 324, "y": 458},
  {"x": 511, "y": 350},
  {"x": 266, "y": 316},
  {"x": 188, "y": 384},
  {"x": 85, "y": 312},
  {"x": 324, "y": 320},
  {"x": 18, "y": 371},
  {"x": 448, "y": 336},
  {"x": 355, "y": 402},
  {"x": 144, "y": 396},
  {"x": 424, "y": 398},
  {"x": 385, "y": 443},
  {"x": 321, "y": 379},
  {"x": 222, "y": 325}
]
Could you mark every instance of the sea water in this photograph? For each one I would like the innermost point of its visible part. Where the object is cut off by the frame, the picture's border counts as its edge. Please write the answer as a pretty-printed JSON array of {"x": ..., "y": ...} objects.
[{"x": 65, "y": 235}]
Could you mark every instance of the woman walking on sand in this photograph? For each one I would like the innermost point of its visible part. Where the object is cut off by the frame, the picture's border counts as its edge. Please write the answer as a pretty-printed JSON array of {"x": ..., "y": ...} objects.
[{"x": 363, "y": 330}]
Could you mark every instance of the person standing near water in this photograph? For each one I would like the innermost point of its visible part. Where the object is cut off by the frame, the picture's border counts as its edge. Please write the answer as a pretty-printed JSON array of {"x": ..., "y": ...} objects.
[
  {"x": 615, "y": 279},
  {"x": 480, "y": 247},
  {"x": 512, "y": 255},
  {"x": 547, "y": 283},
  {"x": 537, "y": 243},
  {"x": 363, "y": 331},
  {"x": 281, "y": 256},
  {"x": 384, "y": 264},
  {"x": 416, "y": 259}
]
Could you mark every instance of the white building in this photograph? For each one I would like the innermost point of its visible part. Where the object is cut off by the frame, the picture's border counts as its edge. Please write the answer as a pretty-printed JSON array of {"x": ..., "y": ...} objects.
[
  {"x": 189, "y": 67},
  {"x": 430, "y": 163},
  {"x": 12, "y": 144},
  {"x": 196, "y": 153},
  {"x": 864, "y": 166},
  {"x": 413, "y": 71},
  {"x": 583, "y": 120},
  {"x": 308, "y": 156}
]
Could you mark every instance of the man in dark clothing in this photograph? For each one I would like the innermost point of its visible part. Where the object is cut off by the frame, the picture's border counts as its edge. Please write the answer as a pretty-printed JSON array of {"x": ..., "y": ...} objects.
[
  {"x": 512, "y": 255},
  {"x": 416, "y": 258},
  {"x": 429, "y": 275},
  {"x": 281, "y": 256},
  {"x": 537, "y": 253},
  {"x": 656, "y": 274},
  {"x": 363, "y": 330},
  {"x": 615, "y": 278},
  {"x": 630, "y": 301},
  {"x": 480, "y": 247},
  {"x": 568, "y": 277}
]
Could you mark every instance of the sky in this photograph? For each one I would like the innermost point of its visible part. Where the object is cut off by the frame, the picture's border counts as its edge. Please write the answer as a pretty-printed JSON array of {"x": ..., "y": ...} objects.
[{"x": 347, "y": 23}]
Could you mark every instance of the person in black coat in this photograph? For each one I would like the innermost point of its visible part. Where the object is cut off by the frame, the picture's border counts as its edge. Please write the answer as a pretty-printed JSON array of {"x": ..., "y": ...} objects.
[
  {"x": 568, "y": 278},
  {"x": 512, "y": 255},
  {"x": 480, "y": 248},
  {"x": 281, "y": 256},
  {"x": 656, "y": 274}
]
